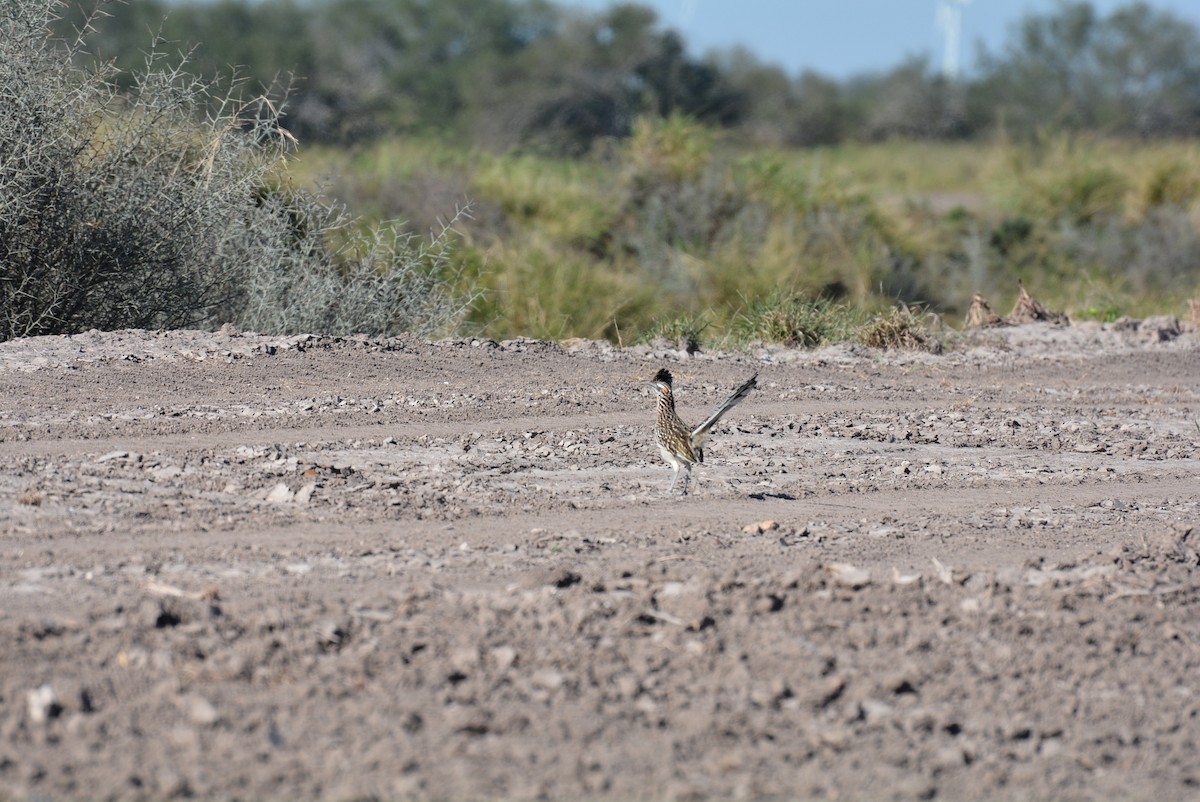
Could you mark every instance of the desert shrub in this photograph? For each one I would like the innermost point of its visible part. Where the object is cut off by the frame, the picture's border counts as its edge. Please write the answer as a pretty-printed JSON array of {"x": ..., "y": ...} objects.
[
  {"x": 1172, "y": 182},
  {"x": 901, "y": 328},
  {"x": 1157, "y": 253},
  {"x": 703, "y": 225},
  {"x": 1083, "y": 195},
  {"x": 335, "y": 275},
  {"x": 155, "y": 208},
  {"x": 536, "y": 289},
  {"x": 672, "y": 150}
]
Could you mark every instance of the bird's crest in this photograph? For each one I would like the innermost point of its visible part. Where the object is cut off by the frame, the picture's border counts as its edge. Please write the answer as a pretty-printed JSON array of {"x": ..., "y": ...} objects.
[{"x": 663, "y": 376}]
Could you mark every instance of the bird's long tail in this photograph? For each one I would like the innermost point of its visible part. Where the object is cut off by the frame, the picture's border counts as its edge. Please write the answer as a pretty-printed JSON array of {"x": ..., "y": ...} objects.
[{"x": 701, "y": 431}]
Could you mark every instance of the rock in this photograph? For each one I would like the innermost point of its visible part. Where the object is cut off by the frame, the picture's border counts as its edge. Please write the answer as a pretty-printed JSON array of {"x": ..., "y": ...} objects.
[
  {"x": 43, "y": 704},
  {"x": 503, "y": 657},
  {"x": 548, "y": 678},
  {"x": 201, "y": 711},
  {"x": 760, "y": 527},
  {"x": 687, "y": 603},
  {"x": 874, "y": 710},
  {"x": 904, "y": 579},
  {"x": 279, "y": 494},
  {"x": 944, "y": 573},
  {"x": 848, "y": 575},
  {"x": 464, "y": 660}
]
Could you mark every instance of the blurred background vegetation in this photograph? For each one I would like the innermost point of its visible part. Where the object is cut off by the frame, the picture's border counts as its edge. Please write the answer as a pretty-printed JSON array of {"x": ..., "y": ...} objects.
[
  {"x": 500, "y": 74},
  {"x": 622, "y": 187}
]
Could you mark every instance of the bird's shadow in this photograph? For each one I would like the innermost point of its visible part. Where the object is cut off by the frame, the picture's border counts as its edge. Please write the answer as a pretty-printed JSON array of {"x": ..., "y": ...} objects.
[{"x": 773, "y": 496}]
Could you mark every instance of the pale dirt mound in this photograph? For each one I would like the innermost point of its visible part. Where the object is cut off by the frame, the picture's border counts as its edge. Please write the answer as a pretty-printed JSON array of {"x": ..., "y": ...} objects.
[
  {"x": 248, "y": 567},
  {"x": 1027, "y": 309}
]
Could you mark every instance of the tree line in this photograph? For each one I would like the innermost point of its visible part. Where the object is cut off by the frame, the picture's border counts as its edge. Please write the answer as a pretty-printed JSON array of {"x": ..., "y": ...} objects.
[{"x": 531, "y": 74}]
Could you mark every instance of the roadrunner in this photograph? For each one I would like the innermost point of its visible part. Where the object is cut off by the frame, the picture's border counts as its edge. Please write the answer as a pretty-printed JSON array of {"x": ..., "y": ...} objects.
[{"x": 682, "y": 446}]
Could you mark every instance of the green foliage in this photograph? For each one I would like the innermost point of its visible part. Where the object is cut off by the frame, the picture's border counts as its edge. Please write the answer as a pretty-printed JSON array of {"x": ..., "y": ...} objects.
[
  {"x": 1132, "y": 72},
  {"x": 672, "y": 150},
  {"x": 533, "y": 288},
  {"x": 1105, "y": 314},
  {"x": 678, "y": 226},
  {"x": 684, "y": 332},
  {"x": 1081, "y": 195},
  {"x": 795, "y": 320}
]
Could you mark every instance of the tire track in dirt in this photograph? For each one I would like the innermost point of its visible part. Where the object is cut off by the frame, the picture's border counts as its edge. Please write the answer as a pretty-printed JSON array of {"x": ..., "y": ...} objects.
[{"x": 254, "y": 433}]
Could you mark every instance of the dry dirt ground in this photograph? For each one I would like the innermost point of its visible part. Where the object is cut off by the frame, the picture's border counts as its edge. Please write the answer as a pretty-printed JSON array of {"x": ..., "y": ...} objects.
[{"x": 240, "y": 567}]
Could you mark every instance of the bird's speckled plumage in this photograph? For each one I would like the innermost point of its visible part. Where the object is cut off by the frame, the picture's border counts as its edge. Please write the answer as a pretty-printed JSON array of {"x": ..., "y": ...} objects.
[{"x": 682, "y": 446}]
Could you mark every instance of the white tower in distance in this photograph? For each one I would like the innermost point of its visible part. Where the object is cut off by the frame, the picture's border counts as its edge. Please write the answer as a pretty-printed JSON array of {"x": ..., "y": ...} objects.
[{"x": 949, "y": 19}]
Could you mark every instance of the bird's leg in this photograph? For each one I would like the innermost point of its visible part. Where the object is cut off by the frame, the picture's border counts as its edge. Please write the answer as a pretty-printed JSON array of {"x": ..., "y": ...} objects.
[
  {"x": 687, "y": 479},
  {"x": 674, "y": 479}
]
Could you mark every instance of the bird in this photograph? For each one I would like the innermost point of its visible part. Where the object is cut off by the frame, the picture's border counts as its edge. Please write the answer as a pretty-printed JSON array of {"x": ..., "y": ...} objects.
[{"x": 681, "y": 445}]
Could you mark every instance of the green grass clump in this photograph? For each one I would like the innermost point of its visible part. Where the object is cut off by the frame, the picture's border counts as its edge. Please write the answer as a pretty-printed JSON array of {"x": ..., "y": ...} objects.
[
  {"x": 685, "y": 332},
  {"x": 1105, "y": 314},
  {"x": 795, "y": 320}
]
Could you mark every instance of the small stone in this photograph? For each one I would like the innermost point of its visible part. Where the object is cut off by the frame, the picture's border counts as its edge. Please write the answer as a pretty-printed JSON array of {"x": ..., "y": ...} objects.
[
  {"x": 464, "y": 660},
  {"x": 1051, "y": 747},
  {"x": 874, "y": 710},
  {"x": 165, "y": 472},
  {"x": 950, "y": 758},
  {"x": 279, "y": 494},
  {"x": 304, "y": 494},
  {"x": 201, "y": 711},
  {"x": 904, "y": 579},
  {"x": 628, "y": 685},
  {"x": 848, "y": 575},
  {"x": 760, "y": 527},
  {"x": 503, "y": 657},
  {"x": 548, "y": 679},
  {"x": 43, "y": 704}
]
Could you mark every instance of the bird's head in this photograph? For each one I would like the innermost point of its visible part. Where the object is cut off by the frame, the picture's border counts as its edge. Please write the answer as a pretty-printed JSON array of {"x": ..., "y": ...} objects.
[{"x": 662, "y": 380}]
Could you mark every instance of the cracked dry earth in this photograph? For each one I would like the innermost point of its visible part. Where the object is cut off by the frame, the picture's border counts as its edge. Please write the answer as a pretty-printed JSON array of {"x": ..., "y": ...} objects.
[{"x": 242, "y": 567}]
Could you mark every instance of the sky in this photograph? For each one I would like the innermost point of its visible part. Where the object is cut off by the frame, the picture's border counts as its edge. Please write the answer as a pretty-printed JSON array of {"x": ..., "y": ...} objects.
[{"x": 840, "y": 38}]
